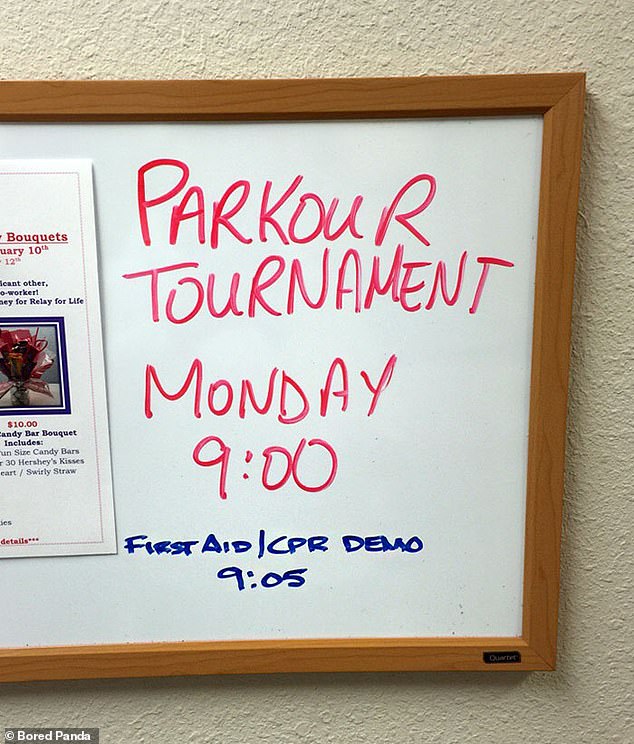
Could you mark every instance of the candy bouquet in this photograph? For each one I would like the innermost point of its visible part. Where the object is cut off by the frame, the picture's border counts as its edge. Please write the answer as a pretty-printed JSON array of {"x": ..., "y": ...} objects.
[{"x": 23, "y": 360}]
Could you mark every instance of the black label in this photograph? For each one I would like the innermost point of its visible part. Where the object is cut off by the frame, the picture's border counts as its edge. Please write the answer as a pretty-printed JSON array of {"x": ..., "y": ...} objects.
[{"x": 502, "y": 657}]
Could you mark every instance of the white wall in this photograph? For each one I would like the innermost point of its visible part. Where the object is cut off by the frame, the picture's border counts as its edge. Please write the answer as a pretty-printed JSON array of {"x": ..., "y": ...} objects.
[{"x": 586, "y": 700}]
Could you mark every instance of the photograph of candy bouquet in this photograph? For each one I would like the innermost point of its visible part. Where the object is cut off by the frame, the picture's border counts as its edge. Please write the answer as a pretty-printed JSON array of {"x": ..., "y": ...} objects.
[{"x": 23, "y": 361}]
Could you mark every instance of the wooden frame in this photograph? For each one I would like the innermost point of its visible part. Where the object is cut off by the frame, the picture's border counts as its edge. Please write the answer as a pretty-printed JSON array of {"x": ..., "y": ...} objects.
[{"x": 559, "y": 98}]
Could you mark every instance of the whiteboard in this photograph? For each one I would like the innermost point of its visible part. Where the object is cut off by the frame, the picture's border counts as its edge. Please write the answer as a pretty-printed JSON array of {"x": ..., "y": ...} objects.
[{"x": 443, "y": 455}]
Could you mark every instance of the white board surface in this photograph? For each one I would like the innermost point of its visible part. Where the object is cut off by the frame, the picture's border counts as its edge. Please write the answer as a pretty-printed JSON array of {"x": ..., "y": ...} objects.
[{"x": 443, "y": 455}]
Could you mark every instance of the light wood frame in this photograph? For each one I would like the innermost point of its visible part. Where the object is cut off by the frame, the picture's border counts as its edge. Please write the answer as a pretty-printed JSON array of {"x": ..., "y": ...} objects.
[{"x": 560, "y": 99}]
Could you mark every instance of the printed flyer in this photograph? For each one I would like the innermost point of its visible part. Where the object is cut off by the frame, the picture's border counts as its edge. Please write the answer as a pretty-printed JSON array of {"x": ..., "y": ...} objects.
[{"x": 55, "y": 476}]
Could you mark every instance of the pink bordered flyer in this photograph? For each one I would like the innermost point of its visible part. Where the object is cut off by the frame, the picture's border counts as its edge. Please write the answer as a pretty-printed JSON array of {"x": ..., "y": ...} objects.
[{"x": 55, "y": 478}]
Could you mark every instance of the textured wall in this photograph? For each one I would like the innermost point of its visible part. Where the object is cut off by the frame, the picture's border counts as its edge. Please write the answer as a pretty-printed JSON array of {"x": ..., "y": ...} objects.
[{"x": 587, "y": 699}]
